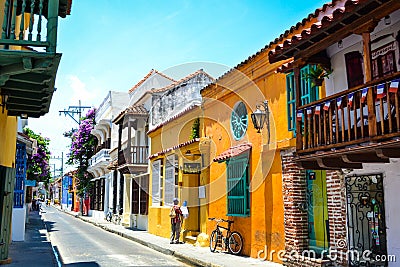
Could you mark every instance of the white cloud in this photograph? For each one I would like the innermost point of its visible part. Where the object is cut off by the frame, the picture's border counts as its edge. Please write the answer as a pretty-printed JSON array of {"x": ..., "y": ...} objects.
[{"x": 79, "y": 91}]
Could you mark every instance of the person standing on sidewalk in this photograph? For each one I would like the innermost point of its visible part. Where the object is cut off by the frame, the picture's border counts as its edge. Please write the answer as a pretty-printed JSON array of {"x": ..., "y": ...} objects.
[{"x": 176, "y": 222}]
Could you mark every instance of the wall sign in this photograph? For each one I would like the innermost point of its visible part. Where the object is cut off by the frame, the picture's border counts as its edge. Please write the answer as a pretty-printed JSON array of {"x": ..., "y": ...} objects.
[{"x": 191, "y": 168}]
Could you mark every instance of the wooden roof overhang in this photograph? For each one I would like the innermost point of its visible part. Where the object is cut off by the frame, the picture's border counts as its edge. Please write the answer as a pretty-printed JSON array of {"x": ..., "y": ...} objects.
[
  {"x": 131, "y": 113},
  {"x": 28, "y": 79},
  {"x": 351, "y": 157},
  {"x": 132, "y": 168},
  {"x": 353, "y": 17}
]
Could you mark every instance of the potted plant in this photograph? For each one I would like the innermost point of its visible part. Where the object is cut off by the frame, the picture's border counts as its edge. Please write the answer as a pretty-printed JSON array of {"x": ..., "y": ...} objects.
[{"x": 317, "y": 75}]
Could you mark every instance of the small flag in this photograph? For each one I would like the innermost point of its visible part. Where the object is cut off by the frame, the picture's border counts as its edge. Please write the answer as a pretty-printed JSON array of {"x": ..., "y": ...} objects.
[
  {"x": 394, "y": 86},
  {"x": 364, "y": 94},
  {"x": 339, "y": 102},
  {"x": 309, "y": 112},
  {"x": 350, "y": 99},
  {"x": 317, "y": 110},
  {"x": 327, "y": 105},
  {"x": 299, "y": 115},
  {"x": 380, "y": 91}
]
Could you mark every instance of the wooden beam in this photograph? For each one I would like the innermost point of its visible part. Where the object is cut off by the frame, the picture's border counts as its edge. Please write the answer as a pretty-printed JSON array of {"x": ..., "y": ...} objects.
[
  {"x": 388, "y": 152},
  {"x": 337, "y": 163},
  {"x": 368, "y": 26},
  {"x": 364, "y": 158},
  {"x": 31, "y": 78},
  {"x": 299, "y": 134},
  {"x": 22, "y": 86},
  {"x": 129, "y": 147},
  {"x": 308, "y": 165}
]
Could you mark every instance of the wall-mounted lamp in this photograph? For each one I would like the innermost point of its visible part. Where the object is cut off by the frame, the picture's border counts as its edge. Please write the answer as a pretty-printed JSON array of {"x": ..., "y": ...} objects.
[
  {"x": 24, "y": 116},
  {"x": 340, "y": 44},
  {"x": 260, "y": 117},
  {"x": 4, "y": 100},
  {"x": 387, "y": 20}
]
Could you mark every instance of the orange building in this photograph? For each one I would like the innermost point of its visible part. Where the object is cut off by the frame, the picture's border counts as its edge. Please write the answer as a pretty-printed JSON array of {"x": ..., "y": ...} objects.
[
  {"x": 245, "y": 169},
  {"x": 246, "y": 180}
]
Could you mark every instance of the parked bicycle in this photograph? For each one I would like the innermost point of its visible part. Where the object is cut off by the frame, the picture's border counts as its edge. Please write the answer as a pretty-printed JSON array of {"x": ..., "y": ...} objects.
[
  {"x": 109, "y": 215},
  {"x": 115, "y": 218},
  {"x": 232, "y": 241}
]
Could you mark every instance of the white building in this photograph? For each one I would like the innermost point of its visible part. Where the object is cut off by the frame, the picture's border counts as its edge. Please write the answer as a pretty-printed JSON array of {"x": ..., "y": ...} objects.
[
  {"x": 131, "y": 168},
  {"x": 105, "y": 132}
]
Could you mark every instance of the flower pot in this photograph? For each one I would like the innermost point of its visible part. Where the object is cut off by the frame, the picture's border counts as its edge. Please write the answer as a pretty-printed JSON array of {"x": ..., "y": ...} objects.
[{"x": 318, "y": 82}]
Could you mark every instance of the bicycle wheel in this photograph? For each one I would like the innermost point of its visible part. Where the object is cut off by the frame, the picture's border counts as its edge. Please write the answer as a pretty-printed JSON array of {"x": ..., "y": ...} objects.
[
  {"x": 235, "y": 243},
  {"x": 213, "y": 240}
]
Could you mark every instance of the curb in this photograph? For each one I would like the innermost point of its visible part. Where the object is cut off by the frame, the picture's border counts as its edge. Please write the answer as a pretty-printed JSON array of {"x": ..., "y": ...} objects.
[
  {"x": 55, "y": 257},
  {"x": 182, "y": 257}
]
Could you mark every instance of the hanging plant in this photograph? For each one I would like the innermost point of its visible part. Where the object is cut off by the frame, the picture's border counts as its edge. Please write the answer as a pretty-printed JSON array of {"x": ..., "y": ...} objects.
[
  {"x": 317, "y": 75},
  {"x": 195, "y": 129}
]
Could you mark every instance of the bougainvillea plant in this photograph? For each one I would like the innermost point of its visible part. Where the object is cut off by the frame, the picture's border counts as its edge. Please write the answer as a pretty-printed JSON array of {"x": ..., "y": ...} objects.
[
  {"x": 82, "y": 148},
  {"x": 38, "y": 163}
]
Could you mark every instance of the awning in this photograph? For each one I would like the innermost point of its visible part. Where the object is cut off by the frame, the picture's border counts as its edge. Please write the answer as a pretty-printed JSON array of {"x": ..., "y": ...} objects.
[{"x": 233, "y": 152}]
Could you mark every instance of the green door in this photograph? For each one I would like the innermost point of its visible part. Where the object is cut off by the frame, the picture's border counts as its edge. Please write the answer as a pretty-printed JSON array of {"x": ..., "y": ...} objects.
[{"x": 318, "y": 224}]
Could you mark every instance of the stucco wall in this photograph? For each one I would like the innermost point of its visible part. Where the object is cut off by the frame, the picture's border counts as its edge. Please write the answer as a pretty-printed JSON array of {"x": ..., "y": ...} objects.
[
  {"x": 391, "y": 185},
  {"x": 265, "y": 225},
  {"x": 8, "y": 137},
  {"x": 172, "y": 134}
]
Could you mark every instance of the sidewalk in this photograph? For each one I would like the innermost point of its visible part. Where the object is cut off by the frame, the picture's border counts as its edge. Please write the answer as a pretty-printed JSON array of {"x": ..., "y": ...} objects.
[
  {"x": 186, "y": 252},
  {"x": 36, "y": 250}
]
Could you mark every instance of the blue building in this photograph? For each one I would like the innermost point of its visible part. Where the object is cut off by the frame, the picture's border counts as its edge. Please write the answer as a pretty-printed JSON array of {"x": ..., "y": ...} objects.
[{"x": 66, "y": 197}]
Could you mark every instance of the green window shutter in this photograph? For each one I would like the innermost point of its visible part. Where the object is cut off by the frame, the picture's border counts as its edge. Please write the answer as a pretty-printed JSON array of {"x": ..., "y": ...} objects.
[
  {"x": 308, "y": 93},
  {"x": 291, "y": 101},
  {"x": 238, "y": 187}
]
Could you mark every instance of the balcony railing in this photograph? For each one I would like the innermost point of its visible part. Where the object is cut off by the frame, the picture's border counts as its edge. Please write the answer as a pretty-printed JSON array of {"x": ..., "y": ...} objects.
[
  {"x": 23, "y": 20},
  {"x": 102, "y": 155},
  {"x": 104, "y": 145},
  {"x": 366, "y": 113},
  {"x": 136, "y": 155}
]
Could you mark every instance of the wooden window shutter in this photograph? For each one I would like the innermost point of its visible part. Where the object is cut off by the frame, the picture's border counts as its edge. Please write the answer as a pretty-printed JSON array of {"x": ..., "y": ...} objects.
[
  {"x": 354, "y": 69},
  {"x": 135, "y": 196},
  {"x": 291, "y": 101},
  {"x": 238, "y": 187}
]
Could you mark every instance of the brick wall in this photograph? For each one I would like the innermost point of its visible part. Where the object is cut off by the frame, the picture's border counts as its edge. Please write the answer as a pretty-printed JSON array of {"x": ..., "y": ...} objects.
[
  {"x": 336, "y": 194},
  {"x": 294, "y": 197},
  {"x": 296, "y": 218}
]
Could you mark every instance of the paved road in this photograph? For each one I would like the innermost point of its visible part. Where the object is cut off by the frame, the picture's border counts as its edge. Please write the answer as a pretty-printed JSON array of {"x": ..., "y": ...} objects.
[{"x": 82, "y": 244}]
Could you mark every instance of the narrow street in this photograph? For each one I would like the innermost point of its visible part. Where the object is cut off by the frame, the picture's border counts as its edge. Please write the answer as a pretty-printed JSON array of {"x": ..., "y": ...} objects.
[{"x": 79, "y": 243}]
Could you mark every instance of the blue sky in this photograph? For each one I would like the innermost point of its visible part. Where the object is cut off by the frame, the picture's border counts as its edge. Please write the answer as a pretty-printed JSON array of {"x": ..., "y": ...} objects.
[{"x": 112, "y": 44}]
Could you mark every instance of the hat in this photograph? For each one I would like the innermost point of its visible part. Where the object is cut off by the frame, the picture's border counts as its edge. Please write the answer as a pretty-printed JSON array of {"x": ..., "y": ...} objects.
[{"x": 175, "y": 199}]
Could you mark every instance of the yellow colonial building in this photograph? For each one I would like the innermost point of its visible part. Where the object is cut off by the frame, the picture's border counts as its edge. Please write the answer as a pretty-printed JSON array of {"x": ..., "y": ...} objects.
[
  {"x": 245, "y": 165},
  {"x": 176, "y": 157}
]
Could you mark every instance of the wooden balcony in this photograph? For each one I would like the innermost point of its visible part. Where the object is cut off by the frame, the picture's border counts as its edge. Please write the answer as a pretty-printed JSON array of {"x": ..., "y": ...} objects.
[
  {"x": 28, "y": 58},
  {"x": 355, "y": 126},
  {"x": 133, "y": 160}
]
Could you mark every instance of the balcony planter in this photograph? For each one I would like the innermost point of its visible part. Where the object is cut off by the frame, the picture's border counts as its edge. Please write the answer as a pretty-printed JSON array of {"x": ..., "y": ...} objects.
[
  {"x": 317, "y": 75},
  {"x": 317, "y": 81}
]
